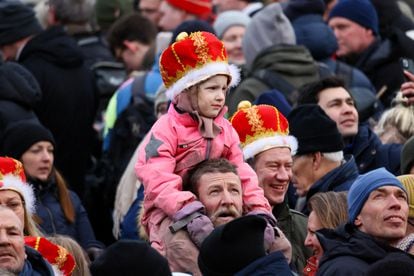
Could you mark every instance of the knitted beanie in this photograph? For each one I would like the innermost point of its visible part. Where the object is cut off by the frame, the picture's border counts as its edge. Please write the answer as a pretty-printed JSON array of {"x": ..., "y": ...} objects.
[
  {"x": 232, "y": 246},
  {"x": 129, "y": 258},
  {"x": 17, "y": 21},
  {"x": 314, "y": 130},
  {"x": 361, "y": 12},
  {"x": 20, "y": 136},
  {"x": 201, "y": 8},
  {"x": 364, "y": 185},
  {"x": 408, "y": 182},
  {"x": 228, "y": 19}
]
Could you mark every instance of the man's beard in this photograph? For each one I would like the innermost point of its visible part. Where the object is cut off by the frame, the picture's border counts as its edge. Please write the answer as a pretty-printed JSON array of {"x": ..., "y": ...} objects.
[{"x": 230, "y": 211}]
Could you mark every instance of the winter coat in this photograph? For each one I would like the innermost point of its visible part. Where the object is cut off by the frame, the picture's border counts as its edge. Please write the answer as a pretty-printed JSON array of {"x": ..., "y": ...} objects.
[
  {"x": 19, "y": 94},
  {"x": 337, "y": 180},
  {"x": 175, "y": 145},
  {"x": 293, "y": 224},
  {"x": 67, "y": 106},
  {"x": 53, "y": 220},
  {"x": 370, "y": 153},
  {"x": 380, "y": 62},
  {"x": 294, "y": 63},
  {"x": 311, "y": 267},
  {"x": 35, "y": 264},
  {"x": 273, "y": 264},
  {"x": 348, "y": 251}
]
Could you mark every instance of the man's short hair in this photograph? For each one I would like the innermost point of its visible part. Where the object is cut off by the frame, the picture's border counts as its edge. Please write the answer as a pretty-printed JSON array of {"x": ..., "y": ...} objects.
[
  {"x": 309, "y": 93},
  {"x": 192, "y": 177},
  {"x": 131, "y": 27},
  {"x": 73, "y": 11}
]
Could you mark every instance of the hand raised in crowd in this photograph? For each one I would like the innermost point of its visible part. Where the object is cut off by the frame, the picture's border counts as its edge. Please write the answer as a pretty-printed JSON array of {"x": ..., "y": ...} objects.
[{"x": 407, "y": 88}]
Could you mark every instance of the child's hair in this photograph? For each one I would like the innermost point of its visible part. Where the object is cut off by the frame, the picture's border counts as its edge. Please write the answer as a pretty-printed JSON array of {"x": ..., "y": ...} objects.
[{"x": 81, "y": 258}]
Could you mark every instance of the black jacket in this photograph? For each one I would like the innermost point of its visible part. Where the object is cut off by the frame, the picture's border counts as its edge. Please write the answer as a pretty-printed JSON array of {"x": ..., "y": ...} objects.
[
  {"x": 348, "y": 251},
  {"x": 68, "y": 101}
]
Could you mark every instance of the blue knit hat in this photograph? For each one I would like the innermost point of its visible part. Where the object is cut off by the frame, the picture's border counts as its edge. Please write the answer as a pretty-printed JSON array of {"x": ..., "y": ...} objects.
[
  {"x": 361, "y": 12},
  {"x": 364, "y": 185}
]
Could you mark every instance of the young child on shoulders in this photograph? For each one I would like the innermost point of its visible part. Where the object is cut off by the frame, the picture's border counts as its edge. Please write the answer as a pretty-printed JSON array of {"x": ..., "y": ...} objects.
[{"x": 197, "y": 76}]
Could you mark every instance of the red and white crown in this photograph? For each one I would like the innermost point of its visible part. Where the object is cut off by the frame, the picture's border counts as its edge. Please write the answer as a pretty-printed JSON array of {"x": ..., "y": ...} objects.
[
  {"x": 55, "y": 254},
  {"x": 192, "y": 59},
  {"x": 261, "y": 127},
  {"x": 12, "y": 177}
]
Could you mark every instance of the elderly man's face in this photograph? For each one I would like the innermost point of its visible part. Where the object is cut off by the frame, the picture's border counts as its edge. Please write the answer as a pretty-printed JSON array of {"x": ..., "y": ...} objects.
[
  {"x": 12, "y": 253},
  {"x": 384, "y": 214},
  {"x": 221, "y": 194},
  {"x": 274, "y": 170},
  {"x": 303, "y": 173}
]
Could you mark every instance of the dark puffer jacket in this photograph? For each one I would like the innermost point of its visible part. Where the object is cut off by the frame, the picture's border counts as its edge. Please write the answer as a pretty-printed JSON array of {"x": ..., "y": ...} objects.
[{"x": 348, "y": 251}]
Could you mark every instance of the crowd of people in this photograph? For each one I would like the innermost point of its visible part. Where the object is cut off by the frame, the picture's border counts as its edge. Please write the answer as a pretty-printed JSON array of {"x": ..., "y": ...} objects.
[{"x": 206, "y": 137}]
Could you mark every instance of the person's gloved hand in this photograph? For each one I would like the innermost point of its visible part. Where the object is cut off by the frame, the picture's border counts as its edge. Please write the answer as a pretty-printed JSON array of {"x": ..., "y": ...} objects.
[
  {"x": 199, "y": 226},
  {"x": 94, "y": 252}
]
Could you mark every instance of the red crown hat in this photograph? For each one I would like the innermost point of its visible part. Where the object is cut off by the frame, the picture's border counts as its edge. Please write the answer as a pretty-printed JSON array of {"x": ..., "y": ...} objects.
[
  {"x": 201, "y": 8},
  {"x": 12, "y": 177},
  {"x": 55, "y": 254},
  {"x": 192, "y": 59},
  {"x": 261, "y": 127}
]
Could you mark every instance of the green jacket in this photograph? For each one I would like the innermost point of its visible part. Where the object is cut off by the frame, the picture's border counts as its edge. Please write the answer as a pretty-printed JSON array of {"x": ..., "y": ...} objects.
[{"x": 294, "y": 224}]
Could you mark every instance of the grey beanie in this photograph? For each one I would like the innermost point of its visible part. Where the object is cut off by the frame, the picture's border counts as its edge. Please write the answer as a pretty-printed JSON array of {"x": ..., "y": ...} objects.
[
  {"x": 268, "y": 27},
  {"x": 228, "y": 19}
]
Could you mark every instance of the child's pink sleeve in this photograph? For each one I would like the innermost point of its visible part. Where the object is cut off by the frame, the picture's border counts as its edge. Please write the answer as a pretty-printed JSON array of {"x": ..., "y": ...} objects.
[{"x": 155, "y": 169}]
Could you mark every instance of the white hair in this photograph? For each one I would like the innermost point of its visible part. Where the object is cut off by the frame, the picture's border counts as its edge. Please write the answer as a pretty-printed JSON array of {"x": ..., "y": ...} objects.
[{"x": 336, "y": 156}]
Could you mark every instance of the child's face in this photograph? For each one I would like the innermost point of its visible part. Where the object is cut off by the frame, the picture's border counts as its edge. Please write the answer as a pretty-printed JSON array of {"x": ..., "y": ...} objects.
[{"x": 211, "y": 95}]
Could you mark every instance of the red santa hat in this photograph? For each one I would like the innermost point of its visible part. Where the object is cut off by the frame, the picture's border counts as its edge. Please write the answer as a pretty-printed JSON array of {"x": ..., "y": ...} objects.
[
  {"x": 192, "y": 59},
  {"x": 261, "y": 127},
  {"x": 12, "y": 178}
]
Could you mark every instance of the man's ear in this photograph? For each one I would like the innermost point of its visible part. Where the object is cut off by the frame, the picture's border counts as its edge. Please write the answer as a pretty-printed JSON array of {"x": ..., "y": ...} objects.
[
  {"x": 51, "y": 19},
  {"x": 316, "y": 160},
  {"x": 131, "y": 45},
  {"x": 358, "y": 221}
]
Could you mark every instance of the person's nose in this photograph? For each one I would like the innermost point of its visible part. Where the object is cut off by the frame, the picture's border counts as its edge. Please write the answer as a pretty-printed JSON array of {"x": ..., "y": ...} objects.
[
  {"x": 4, "y": 239},
  {"x": 394, "y": 202},
  {"x": 308, "y": 240},
  {"x": 226, "y": 198},
  {"x": 283, "y": 174}
]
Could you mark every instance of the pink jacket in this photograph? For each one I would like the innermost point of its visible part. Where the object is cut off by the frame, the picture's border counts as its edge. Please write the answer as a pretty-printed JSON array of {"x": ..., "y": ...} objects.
[{"x": 173, "y": 146}]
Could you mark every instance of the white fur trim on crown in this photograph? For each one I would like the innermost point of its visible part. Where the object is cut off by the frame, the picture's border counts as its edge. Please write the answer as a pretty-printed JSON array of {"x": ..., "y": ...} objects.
[
  {"x": 14, "y": 183},
  {"x": 198, "y": 75},
  {"x": 266, "y": 143}
]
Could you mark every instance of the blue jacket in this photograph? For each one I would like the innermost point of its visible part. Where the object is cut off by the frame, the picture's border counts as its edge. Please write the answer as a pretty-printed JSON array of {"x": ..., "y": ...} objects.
[
  {"x": 348, "y": 251},
  {"x": 53, "y": 220},
  {"x": 273, "y": 264},
  {"x": 339, "y": 179},
  {"x": 370, "y": 153},
  {"x": 35, "y": 264}
]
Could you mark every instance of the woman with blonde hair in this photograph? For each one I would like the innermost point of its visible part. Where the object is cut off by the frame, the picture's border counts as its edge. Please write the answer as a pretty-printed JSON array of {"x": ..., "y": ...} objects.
[
  {"x": 396, "y": 124},
  {"x": 327, "y": 210}
]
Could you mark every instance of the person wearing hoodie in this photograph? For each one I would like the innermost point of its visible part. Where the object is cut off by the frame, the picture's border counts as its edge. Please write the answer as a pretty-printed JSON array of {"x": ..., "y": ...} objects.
[{"x": 68, "y": 102}]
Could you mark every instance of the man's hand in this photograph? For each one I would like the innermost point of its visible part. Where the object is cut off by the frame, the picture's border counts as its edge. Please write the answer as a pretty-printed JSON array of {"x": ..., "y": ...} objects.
[{"x": 407, "y": 88}]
